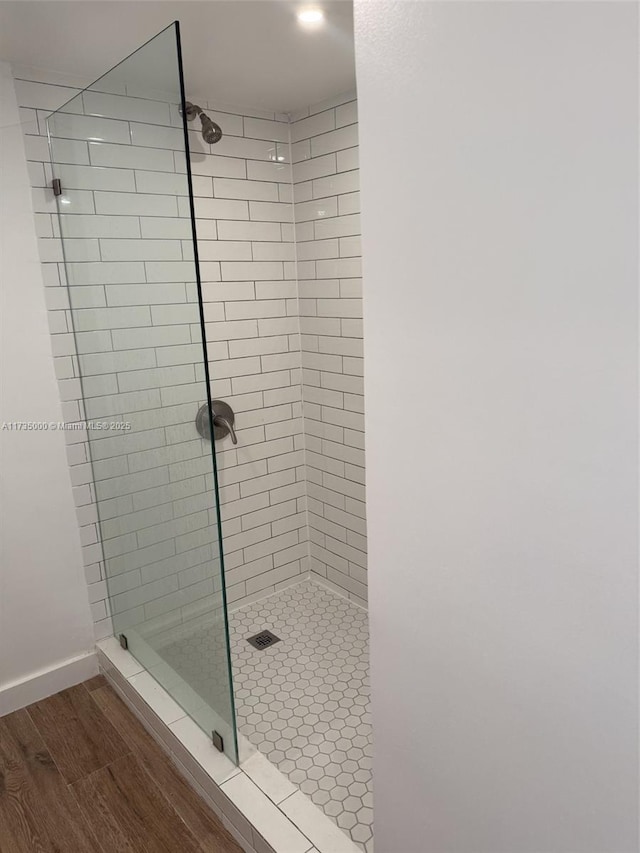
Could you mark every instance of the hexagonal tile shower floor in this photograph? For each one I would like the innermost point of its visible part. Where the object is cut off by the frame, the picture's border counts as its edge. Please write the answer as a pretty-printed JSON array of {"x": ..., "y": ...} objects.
[{"x": 304, "y": 702}]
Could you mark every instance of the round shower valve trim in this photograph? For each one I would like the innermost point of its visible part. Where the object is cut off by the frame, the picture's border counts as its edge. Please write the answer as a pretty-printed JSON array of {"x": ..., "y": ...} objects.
[{"x": 223, "y": 419}]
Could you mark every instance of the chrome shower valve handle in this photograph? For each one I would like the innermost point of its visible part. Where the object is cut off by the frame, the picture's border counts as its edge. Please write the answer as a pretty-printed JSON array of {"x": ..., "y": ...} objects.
[{"x": 223, "y": 421}]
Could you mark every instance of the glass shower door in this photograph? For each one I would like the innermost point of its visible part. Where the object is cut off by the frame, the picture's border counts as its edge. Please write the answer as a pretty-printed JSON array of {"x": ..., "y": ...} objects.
[{"x": 121, "y": 174}]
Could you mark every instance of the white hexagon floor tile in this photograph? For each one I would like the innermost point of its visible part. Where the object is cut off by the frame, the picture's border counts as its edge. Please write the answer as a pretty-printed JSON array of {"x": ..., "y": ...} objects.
[{"x": 305, "y": 701}]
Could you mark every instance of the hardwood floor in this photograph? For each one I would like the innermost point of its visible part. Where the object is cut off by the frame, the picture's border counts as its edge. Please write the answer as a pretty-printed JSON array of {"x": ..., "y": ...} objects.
[{"x": 79, "y": 774}]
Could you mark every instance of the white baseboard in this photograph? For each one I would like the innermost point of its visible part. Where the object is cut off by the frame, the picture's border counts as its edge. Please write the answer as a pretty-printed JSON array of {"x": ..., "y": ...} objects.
[{"x": 46, "y": 682}]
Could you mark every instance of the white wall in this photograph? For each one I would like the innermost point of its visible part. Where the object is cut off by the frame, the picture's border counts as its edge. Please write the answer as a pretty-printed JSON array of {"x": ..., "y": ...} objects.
[
  {"x": 499, "y": 184},
  {"x": 45, "y": 621},
  {"x": 327, "y": 214}
]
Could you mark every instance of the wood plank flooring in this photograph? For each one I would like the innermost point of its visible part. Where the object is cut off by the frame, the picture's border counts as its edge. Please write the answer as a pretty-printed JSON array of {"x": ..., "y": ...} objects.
[{"x": 79, "y": 774}]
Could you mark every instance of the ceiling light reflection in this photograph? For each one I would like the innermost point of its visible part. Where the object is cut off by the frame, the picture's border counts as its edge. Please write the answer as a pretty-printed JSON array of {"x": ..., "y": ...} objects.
[{"x": 311, "y": 17}]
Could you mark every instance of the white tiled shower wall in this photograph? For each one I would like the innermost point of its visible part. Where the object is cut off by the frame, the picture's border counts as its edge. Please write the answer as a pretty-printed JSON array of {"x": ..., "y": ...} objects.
[
  {"x": 327, "y": 214},
  {"x": 246, "y": 244}
]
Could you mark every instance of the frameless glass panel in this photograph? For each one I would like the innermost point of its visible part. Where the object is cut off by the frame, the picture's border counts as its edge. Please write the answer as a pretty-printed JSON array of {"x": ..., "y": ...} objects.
[{"x": 119, "y": 151}]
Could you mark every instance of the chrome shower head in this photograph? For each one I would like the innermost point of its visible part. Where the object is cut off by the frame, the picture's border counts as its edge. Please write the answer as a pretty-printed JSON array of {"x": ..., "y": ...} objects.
[{"x": 211, "y": 132}]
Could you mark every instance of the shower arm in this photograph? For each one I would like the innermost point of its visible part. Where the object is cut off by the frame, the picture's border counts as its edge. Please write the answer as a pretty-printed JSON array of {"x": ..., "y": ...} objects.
[{"x": 192, "y": 111}]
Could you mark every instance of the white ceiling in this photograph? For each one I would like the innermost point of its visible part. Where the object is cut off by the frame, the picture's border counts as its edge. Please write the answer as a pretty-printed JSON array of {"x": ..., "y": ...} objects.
[{"x": 250, "y": 53}]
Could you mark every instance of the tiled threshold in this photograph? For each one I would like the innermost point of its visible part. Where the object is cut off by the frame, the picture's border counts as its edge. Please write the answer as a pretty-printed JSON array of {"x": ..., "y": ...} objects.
[{"x": 263, "y": 810}]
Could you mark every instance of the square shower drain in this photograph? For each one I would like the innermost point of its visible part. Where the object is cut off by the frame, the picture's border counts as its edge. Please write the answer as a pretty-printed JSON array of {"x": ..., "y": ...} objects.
[{"x": 263, "y": 640}]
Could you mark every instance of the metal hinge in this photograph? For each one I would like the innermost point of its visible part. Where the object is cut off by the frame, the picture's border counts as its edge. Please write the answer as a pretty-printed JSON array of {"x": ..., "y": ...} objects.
[
  {"x": 57, "y": 186},
  {"x": 217, "y": 741},
  {"x": 123, "y": 641}
]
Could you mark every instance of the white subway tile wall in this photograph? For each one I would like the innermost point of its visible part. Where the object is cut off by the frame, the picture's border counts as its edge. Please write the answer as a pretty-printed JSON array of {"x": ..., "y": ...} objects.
[
  {"x": 129, "y": 260},
  {"x": 128, "y": 248},
  {"x": 327, "y": 203}
]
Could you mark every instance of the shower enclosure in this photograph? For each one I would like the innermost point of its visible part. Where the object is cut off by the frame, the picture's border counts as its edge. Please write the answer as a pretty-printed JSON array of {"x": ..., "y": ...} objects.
[
  {"x": 248, "y": 333},
  {"x": 121, "y": 173}
]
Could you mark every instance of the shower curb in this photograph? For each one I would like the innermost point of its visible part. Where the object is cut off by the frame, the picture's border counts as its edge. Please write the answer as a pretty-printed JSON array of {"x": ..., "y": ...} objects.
[{"x": 261, "y": 808}]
